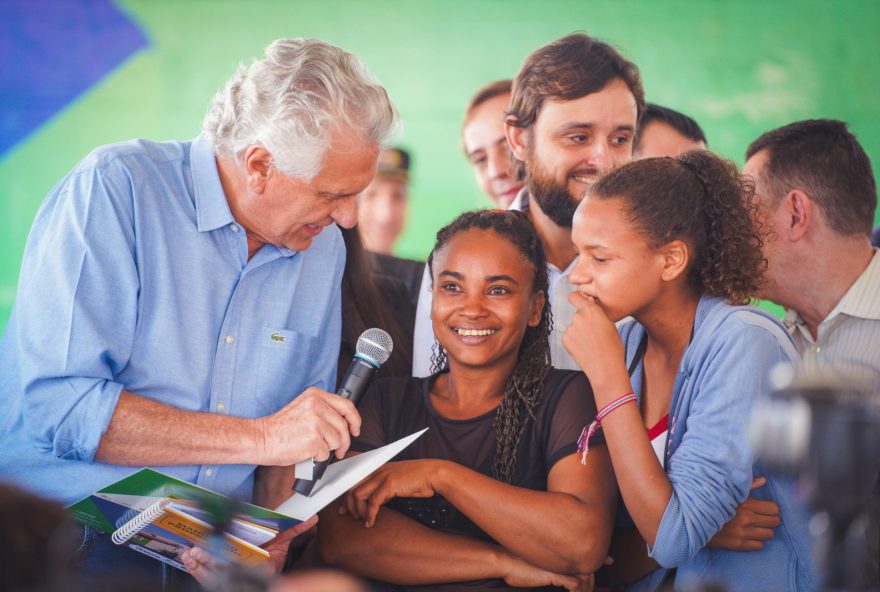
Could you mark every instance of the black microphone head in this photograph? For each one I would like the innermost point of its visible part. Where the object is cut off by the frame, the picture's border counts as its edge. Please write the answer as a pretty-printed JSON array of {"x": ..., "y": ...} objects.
[{"x": 374, "y": 344}]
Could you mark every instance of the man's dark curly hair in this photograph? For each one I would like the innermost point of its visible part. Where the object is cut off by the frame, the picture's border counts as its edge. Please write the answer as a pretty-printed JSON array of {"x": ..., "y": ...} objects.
[
  {"x": 525, "y": 386},
  {"x": 702, "y": 199}
]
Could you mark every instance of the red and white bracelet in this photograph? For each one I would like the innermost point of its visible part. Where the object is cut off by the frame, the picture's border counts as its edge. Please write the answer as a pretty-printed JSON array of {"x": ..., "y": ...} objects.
[{"x": 588, "y": 431}]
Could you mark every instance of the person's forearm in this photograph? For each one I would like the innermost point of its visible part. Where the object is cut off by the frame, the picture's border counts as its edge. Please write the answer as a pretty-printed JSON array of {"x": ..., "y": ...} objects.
[
  {"x": 550, "y": 529},
  {"x": 145, "y": 432},
  {"x": 643, "y": 484},
  {"x": 399, "y": 550}
]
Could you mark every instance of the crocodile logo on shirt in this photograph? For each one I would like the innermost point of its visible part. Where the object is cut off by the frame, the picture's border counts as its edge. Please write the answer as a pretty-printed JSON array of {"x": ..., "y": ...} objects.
[{"x": 278, "y": 338}]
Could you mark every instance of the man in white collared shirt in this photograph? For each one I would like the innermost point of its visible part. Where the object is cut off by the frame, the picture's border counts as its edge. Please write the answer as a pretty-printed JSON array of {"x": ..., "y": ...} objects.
[
  {"x": 573, "y": 115},
  {"x": 815, "y": 184}
]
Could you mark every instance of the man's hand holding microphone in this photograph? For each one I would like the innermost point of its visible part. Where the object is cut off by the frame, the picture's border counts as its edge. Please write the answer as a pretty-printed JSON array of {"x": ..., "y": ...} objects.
[{"x": 311, "y": 426}]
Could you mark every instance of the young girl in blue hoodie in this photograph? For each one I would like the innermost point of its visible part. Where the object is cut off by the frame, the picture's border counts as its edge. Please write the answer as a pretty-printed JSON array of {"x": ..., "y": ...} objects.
[{"x": 673, "y": 244}]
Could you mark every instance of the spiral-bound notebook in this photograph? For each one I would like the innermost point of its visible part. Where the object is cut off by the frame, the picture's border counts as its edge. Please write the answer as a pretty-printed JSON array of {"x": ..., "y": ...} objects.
[{"x": 160, "y": 516}]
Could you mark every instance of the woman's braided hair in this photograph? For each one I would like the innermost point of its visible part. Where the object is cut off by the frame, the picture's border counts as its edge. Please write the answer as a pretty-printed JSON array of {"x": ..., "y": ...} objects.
[{"x": 525, "y": 386}]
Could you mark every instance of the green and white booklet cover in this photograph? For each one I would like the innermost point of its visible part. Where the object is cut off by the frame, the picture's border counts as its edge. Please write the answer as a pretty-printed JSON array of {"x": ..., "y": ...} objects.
[{"x": 160, "y": 516}]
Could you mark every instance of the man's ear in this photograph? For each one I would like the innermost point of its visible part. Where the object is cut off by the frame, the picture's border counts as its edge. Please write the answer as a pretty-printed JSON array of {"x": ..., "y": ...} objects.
[
  {"x": 257, "y": 167},
  {"x": 517, "y": 137},
  {"x": 675, "y": 258},
  {"x": 801, "y": 213}
]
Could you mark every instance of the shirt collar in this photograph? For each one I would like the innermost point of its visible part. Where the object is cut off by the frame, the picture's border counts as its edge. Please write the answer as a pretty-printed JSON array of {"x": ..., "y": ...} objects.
[
  {"x": 861, "y": 299},
  {"x": 797, "y": 326},
  {"x": 567, "y": 271},
  {"x": 212, "y": 208},
  {"x": 520, "y": 203},
  {"x": 792, "y": 319}
]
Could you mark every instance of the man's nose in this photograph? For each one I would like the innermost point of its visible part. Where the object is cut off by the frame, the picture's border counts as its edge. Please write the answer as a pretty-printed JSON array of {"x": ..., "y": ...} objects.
[
  {"x": 345, "y": 213},
  {"x": 598, "y": 155}
]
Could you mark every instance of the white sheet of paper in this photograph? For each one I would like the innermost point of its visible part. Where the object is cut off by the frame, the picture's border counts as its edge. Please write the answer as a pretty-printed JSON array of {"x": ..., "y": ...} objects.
[
  {"x": 304, "y": 469},
  {"x": 342, "y": 476}
]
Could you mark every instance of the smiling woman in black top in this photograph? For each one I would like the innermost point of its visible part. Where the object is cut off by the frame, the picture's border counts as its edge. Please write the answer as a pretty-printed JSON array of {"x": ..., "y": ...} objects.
[{"x": 492, "y": 495}]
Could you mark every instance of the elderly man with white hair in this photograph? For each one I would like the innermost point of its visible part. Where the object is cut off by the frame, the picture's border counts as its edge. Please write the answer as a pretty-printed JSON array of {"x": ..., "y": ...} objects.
[{"x": 179, "y": 302}]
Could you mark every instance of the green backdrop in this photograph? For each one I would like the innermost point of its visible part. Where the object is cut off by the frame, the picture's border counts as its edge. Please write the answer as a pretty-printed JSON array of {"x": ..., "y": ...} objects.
[{"x": 739, "y": 67}]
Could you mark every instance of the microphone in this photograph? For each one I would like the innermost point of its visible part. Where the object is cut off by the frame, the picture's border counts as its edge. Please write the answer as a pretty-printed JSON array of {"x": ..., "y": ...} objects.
[{"x": 373, "y": 349}]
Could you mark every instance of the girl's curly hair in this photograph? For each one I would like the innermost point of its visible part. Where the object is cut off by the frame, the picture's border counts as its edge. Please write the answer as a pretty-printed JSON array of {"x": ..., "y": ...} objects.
[
  {"x": 702, "y": 199},
  {"x": 526, "y": 385}
]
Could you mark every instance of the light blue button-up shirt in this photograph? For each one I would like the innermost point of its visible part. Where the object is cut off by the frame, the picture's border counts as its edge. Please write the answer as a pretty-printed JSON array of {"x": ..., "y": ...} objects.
[{"x": 136, "y": 276}]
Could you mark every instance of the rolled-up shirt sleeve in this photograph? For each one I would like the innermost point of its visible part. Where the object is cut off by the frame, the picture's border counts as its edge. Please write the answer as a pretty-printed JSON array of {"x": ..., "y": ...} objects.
[
  {"x": 78, "y": 299},
  {"x": 711, "y": 471}
]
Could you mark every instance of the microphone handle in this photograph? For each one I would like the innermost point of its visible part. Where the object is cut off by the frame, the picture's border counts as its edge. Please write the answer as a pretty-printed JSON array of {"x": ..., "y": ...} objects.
[{"x": 354, "y": 385}]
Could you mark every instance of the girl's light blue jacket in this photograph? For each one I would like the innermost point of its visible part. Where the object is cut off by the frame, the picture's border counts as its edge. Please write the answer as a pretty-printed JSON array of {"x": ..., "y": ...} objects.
[{"x": 710, "y": 463}]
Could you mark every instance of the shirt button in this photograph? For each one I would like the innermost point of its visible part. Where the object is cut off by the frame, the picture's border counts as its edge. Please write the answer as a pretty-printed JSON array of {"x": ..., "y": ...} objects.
[
  {"x": 220, "y": 406},
  {"x": 234, "y": 228},
  {"x": 209, "y": 471},
  {"x": 229, "y": 339}
]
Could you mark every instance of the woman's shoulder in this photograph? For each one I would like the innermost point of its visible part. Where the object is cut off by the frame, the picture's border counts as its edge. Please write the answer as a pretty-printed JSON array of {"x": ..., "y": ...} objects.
[
  {"x": 567, "y": 405},
  {"x": 560, "y": 385},
  {"x": 558, "y": 379}
]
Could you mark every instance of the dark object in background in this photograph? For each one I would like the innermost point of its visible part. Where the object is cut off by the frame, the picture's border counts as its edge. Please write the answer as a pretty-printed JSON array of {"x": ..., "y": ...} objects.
[
  {"x": 374, "y": 296},
  {"x": 38, "y": 541},
  {"x": 822, "y": 427},
  {"x": 404, "y": 275}
]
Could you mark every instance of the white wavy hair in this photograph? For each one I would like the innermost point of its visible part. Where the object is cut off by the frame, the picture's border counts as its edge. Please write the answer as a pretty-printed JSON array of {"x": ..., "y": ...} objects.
[{"x": 293, "y": 100}]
